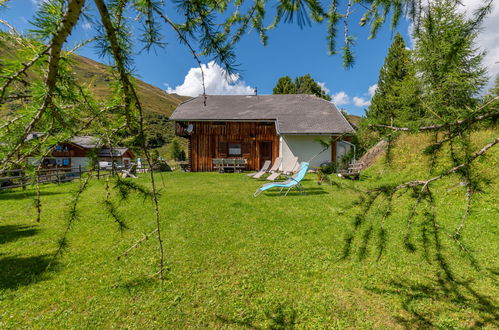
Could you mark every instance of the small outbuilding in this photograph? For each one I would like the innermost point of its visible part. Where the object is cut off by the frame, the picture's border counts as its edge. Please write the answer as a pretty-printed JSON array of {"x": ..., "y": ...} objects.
[{"x": 261, "y": 127}]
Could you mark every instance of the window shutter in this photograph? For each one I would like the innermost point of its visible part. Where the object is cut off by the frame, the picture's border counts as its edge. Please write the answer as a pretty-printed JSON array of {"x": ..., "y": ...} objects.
[
  {"x": 213, "y": 149},
  {"x": 246, "y": 148}
]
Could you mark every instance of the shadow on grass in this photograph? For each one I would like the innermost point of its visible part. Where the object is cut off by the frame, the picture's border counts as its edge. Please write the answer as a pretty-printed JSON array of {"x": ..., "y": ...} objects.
[
  {"x": 453, "y": 294},
  {"x": 236, "y": 322},
  {"x": 21, "y": 271},
  {"x": 277, "y": 317},
  {"x": 10, "y": 233},
  {"x": 20, "y": 194},
  {"x": 136, "y": 284},
  {"x": 294, "y": 192}
]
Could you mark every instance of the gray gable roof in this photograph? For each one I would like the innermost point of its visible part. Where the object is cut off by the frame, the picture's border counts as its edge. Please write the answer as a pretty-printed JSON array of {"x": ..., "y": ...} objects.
[
  {"x": 293, "y": 113},
  {"x": 86, "y": 141},
  {"x": 116, "y": 152}
]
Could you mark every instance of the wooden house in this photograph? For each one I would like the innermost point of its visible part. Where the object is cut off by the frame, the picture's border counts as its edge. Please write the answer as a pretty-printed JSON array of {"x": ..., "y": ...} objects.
[
  {"x": 261, "y": 127},
  {"x": 79, "y": 151}
]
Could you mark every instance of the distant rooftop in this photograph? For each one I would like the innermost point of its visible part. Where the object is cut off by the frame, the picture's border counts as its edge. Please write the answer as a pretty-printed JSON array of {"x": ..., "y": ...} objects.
[
  {"x": 86, "y": 141},
  {"x": 293, "y": 113},
  {"x": 116, "y": 152}
]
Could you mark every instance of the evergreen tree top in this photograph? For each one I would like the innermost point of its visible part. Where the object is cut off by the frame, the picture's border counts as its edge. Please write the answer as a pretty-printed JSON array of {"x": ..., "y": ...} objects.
[{"x": 301, "y": 85}]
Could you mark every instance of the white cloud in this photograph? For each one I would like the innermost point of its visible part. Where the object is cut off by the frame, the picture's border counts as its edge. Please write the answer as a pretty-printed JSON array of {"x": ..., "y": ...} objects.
[
  {"x": 87, "y": 26},
  {"x": 361, "y": 102},
  {"x": 365, "y": 99},
  {"x": 340, "y": 98},
  {"x": 216, "y": 82},
  {"x": 323, "y": 87},
  {"x": 372, "y": 89},
  {"x": 488, "y": 39}
]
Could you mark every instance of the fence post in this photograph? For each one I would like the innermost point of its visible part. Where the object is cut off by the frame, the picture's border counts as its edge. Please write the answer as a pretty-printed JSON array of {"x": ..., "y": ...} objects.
[
  {"x": 98, "y": 172},
  {"x": 57, "y": 174},
  {"x": 22, "y": 179},
  {"x": 79, "y": 169}
]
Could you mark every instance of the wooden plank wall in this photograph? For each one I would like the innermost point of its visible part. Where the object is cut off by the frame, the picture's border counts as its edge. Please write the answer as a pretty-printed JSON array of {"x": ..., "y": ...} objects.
[
  {"x": 72, "y": 151},
  {"x": 208, "y": 141}
]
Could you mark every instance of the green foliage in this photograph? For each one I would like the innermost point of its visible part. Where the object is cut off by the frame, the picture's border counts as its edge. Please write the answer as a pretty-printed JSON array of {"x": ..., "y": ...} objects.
[
  {"x": 47, "y": 18},
  {"x": 396, "y": 100},
  {"x": 125, "y": 187},
  {"x": 328, "y": 168},
  {"x": 176, "y": 151},
  {"x": 493, "y": 93},
  {"x": 448, "y": 63},
  {"x": 302, "y": 85},
  {"x": 160, "y": 131},
  {"x": 284, "y": 86}
]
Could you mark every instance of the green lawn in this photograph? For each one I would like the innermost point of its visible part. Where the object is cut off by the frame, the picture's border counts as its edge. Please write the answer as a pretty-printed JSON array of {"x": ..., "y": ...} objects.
[{"x": 236, "y": 261}]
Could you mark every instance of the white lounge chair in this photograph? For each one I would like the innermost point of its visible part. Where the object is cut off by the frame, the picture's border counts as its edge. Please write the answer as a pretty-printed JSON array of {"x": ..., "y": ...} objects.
[
  {"x": 289, "y": 168},
  {"x": 273, "y": 169},
  {"x": 130, "y": 172},
  {"x": 263, "y": 170}
]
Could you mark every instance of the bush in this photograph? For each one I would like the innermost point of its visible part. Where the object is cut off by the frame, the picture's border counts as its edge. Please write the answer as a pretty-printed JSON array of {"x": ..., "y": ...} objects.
[
  {"x": 328, "y": 168},
  {"x": 176, "y": 151}
]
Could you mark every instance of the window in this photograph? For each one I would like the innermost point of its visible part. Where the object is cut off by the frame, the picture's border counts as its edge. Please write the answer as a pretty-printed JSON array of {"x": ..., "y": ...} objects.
[
  {"x": 235, "y": 149},
  {"x": 49, "y": 162}
]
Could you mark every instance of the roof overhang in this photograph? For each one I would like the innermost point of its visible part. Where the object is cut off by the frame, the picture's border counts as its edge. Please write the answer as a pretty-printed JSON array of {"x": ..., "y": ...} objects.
[
  {"x": 276, "y": 122},
  {"x": 230, "y": 120}
]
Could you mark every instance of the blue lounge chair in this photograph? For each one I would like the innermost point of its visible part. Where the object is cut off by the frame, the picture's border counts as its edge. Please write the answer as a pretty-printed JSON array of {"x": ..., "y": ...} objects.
[{"x": 291, "y": 182}]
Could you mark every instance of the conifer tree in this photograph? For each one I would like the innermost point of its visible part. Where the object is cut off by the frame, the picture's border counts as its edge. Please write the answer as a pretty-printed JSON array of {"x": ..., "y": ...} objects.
[
  {"x": 396, "y": 98},
  {"x": 302, "y": 85},
  {"x": 284, "y": 86},
  {"x": 448, "y": 63}
]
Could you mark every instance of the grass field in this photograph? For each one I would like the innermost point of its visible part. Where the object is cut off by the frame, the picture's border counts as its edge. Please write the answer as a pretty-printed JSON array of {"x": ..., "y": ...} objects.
[{"x": 235, "y": 261}]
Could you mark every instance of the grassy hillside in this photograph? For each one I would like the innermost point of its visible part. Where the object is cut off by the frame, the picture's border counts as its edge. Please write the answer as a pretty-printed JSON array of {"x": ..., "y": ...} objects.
[
  {"x": 408, "y": 161},
  {"x": 154, "y": 99},
  {"x": 354, "y": 120},
  {"x": 158, "y": 105},
  {"x": 270, "y": 262}
]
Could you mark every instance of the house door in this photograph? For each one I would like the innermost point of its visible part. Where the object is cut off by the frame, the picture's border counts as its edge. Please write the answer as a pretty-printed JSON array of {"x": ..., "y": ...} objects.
[{"x": 265, "y": 151}]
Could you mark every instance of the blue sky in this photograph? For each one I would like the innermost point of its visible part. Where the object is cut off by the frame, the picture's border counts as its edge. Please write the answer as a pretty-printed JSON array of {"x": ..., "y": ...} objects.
[{"x": 290, "y": 51}]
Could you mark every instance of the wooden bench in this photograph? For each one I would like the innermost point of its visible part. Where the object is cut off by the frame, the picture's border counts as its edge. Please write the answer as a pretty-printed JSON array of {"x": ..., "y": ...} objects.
[
  {"x": 223, "y": 164},
  {"x": 353, "y": 171}
]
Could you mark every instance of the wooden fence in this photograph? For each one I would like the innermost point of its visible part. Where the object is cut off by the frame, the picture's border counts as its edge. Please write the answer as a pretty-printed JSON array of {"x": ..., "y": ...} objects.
[{"x": 17, "y": 178}]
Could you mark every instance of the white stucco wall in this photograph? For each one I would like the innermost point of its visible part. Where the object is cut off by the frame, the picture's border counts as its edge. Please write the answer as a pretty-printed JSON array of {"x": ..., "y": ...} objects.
[
  {"x": 75, "y": 161},
  {"x": 342, "y": 148},
  {"x": 83, "y": 161},
  {"x": 305, "y": 147}
]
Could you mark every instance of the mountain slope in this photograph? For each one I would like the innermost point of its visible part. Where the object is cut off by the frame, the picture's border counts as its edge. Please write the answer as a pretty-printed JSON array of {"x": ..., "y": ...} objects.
[
  {"x": 158, "y": 105},
  {"x": 154, "y": 99}
]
